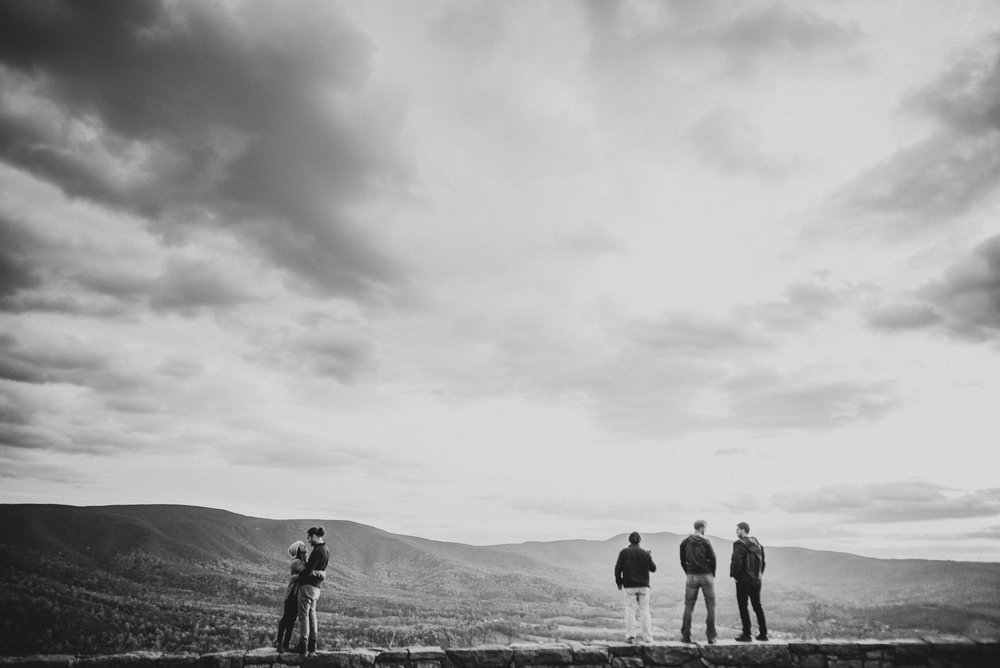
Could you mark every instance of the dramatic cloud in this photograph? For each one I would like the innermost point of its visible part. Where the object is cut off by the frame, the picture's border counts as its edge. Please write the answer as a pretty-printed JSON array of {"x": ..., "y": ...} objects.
[
  {"x": 409, "y": 253},
  {"x": 942, "y": 176},
  {"x": 192, "y": 116},
  {"x": 34, "y": 364},
  {"x": 969, "y": 294},
  {"x": 964, "y": 302}
]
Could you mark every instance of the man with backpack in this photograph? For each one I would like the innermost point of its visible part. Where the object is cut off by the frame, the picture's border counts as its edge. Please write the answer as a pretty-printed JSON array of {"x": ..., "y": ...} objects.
[
  {"x": 746, "y": 568},
  {"x": 698, "y": 562}
]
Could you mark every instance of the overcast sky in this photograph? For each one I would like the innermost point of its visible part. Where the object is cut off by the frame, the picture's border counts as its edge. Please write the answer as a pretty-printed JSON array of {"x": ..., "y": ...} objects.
[{"x": 506, "y": 271}]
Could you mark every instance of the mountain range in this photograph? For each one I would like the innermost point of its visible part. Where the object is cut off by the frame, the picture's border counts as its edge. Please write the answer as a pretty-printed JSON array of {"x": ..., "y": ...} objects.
[{"x": 219, "y": 566}]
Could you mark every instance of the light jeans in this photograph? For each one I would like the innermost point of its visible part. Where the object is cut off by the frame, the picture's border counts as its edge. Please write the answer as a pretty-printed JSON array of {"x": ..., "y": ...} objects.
[
  {"x": 308, "y": 596},
  {"x": 637, "y": 603}
]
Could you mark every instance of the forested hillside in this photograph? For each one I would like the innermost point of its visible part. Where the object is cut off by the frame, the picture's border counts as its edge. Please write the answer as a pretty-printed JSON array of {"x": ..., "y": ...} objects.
[{"x": 175, "y": 578}]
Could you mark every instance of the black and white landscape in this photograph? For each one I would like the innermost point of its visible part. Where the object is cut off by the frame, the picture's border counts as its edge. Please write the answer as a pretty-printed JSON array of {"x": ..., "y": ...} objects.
[
  {"x": 514, "y": 276},
  {"x": 115, "y": 578}
]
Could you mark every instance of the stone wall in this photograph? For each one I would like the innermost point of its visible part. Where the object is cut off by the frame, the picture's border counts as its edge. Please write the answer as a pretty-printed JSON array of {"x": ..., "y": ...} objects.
[{"x": 917, "y": 653}]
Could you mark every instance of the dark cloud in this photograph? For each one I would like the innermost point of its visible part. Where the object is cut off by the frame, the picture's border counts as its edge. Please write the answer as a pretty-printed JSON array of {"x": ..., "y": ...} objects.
[
  {"x": 969, "y": 294},
  {"x": 963, "y": 303},
  {"x": 943, "y": 175},
  {"x": 254, "y": 120},
  {"x": 16, "y": 272},
  {"x": 14, "y": 410},
  {"x": 52, "y": 365},
  {"x": 36, "y": 276},
  {"x": 890, "y": 502},
  {"x": 925, "y": 184},
  {"x": 186, "y": 286},
  {"x": 17, "y": 422}
]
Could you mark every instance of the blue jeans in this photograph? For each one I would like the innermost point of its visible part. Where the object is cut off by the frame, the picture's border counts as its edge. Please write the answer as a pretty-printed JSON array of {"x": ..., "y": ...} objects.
[{"x": 706, "y": 583}]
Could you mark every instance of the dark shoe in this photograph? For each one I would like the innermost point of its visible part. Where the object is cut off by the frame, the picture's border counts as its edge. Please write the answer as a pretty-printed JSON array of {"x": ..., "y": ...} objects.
[
  {"x": 686, "y": 639},
  {"x": 744, "y": 638},
  {"x": 711, "y": 641},
  {"x": 762, "y": 637}
]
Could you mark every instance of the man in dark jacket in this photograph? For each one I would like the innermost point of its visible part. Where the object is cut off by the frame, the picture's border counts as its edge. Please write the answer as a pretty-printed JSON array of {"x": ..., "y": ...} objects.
[
  {"x": 310, "y": 581},
  {"x": 747, "y": 568},
  {"x": 698, "y": 562},
  {"x": 632, "y": 575}
]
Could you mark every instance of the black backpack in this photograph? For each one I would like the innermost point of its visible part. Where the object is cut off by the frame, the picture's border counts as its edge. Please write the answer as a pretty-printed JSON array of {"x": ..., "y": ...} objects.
[{"x": 752, "y": 564}]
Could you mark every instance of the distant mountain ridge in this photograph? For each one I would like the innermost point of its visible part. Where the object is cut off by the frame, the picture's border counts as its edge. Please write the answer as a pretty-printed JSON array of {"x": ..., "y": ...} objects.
[
  {"x": 184, "y": 556},
  {"x": 196, "y": 534}
]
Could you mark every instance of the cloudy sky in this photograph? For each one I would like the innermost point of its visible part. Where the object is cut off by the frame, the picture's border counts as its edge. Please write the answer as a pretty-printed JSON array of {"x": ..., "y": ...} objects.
[{"x": 506, "y": 271}]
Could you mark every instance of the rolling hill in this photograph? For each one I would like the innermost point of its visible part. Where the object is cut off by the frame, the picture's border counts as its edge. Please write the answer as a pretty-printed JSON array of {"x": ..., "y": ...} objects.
[{"x": 184, "y": 577}]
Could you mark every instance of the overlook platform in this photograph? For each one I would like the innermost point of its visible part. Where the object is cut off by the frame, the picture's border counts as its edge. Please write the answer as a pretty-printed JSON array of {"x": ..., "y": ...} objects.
[{"x": 841, "y": 653}]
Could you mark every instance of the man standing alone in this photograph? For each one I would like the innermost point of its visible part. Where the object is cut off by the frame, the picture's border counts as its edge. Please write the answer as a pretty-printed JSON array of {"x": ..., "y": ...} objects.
[
  {"x": 698, "y": 562},
  {"x": 747, "y": 568},
  {"x": 632, "y": 574},
  {"x": 310, "y": 581}
]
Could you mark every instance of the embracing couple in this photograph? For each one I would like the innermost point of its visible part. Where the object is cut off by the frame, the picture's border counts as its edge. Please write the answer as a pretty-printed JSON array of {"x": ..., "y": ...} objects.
[{"x": 308, "y": 570}]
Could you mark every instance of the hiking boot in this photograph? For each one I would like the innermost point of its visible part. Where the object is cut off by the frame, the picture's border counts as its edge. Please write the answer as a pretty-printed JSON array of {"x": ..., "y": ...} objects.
[
  {"x": 745, "y": 637},
  {"x": 762, "y": 637}
]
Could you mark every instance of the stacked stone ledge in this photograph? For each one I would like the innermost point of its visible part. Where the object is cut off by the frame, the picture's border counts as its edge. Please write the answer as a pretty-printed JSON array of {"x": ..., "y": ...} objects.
[{"x": 917, "y": 653}]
